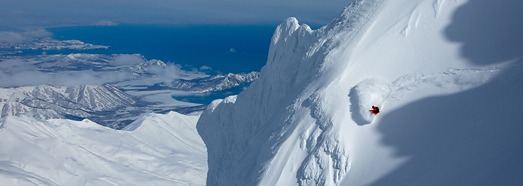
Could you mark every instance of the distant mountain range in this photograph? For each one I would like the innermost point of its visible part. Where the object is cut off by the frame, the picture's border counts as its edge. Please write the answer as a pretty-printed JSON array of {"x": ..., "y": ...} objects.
[
  {"x": 211, "y": 83},
  {"x": 114, "y": 104}
]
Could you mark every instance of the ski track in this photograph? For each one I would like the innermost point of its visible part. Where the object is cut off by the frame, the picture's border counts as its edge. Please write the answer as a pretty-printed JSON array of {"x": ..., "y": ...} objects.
[{"x": 462, "y": 78}]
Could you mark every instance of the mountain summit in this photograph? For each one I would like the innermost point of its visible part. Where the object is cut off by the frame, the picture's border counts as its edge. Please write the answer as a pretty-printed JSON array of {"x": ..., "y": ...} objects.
[{"x": 445, "y": 75}]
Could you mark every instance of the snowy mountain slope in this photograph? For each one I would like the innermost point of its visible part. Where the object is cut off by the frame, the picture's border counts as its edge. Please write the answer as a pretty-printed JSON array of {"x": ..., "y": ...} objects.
[
  {"x": 444, "y": 81},
  {"x": 212, "y": 83},
  {"x": 87, "y": 98},
  {"x": 157, "y": 150},
  {"x": 54, "y": 102}
]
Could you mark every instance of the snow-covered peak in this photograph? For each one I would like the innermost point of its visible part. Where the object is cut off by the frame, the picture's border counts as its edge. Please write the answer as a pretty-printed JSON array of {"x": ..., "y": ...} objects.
[
  {"x": 161, "y": 149},
  {"x": 212, "y": 83},
  {"x": 305, "y": 120},
  {"x": 285, "y": 29},
  {"x": 53, "y": 102},
  {"x": 278, "y": 109}
]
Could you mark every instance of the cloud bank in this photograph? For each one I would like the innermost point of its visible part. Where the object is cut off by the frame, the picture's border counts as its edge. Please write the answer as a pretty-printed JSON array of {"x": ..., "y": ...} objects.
[
  {"x": 124, "y": 60},
  {"x": 84, "y": 69},
  {"x": 12, "y": 38}
]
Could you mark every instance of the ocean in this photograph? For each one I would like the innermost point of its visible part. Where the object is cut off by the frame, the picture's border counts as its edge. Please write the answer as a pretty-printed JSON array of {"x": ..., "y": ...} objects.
[{"x": 224, "y": 48}]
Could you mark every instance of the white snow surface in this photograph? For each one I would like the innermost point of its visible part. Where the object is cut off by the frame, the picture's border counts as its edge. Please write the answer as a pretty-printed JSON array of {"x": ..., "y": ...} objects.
[
  {"x": 40, "y": 101},
  {"x": 446, "y": 73},
  {"x": 160, "y": 149},
  {"x": 367, "y": 93}
]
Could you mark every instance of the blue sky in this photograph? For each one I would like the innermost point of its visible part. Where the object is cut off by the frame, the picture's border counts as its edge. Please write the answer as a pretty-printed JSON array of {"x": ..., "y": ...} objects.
[{"x": 44, "y": 13}]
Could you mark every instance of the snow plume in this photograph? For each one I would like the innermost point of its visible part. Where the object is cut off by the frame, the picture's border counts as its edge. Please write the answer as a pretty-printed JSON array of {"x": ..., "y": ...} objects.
[
  {"x": 443, "y": 90},
  {"x": 10, "y": 38},
  {"x": 365, "y": 95}
]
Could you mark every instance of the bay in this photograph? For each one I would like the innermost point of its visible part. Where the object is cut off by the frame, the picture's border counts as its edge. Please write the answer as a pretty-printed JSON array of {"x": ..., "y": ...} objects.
[{"x": 224, "y": 48}]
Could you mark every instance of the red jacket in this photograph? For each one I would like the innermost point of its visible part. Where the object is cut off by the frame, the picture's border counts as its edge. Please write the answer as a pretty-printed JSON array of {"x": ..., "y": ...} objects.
[{"x": 375, "y": 110}]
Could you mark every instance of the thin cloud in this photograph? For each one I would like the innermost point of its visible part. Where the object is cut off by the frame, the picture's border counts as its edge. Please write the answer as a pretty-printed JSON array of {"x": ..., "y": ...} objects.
[
  {"x": 32, "y": 77},
  {"x": 10, "y": 38},
  {"x": 106, "y": 23},
  {"x": 205, "y": 68},
  {"x": 47, "y": 70},
  {"x": 124, "y": 60}
]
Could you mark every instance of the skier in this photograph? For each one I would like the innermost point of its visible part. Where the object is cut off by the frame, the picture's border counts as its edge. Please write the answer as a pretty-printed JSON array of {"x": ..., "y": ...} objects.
[{"x": 375, "y": 110}]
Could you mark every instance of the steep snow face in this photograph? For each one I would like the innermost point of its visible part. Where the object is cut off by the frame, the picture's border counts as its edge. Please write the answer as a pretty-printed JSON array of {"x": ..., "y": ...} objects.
[
  {"x": 157, "y": 150},
  {"x": 442, "y": 72},
  {"x": 279, "y": 120}
]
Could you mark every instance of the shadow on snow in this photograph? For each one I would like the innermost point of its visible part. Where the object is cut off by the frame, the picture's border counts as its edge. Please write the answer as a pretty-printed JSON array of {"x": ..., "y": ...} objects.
[{"x": 473, "y": 137}]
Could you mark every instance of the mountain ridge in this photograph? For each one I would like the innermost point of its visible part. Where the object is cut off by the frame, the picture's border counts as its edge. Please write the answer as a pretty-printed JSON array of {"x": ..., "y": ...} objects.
[
  {"x": 160, "y": 149},
  {"x": 305, "y": 121}
]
